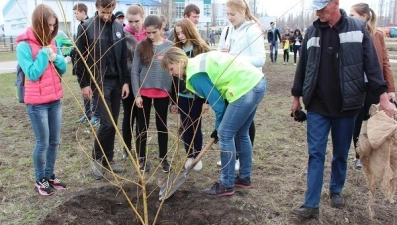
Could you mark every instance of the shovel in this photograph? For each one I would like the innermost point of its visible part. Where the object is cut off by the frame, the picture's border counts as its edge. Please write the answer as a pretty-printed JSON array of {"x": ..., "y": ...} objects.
[{"x": 175, "y": 180}]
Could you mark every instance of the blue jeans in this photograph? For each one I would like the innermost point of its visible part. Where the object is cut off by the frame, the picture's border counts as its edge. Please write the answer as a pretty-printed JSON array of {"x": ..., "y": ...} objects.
[
  {"x": 273, "y": 51},
  {"x": 233, "y": 133},
  {"x": 318, "y": 128},
  {"x": 90, "y": 106},
  {"x": 46, "y": 120}
]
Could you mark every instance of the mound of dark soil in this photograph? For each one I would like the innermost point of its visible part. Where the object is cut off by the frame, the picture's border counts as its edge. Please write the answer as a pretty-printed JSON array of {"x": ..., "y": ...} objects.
[{"x": 107, "y": 205}]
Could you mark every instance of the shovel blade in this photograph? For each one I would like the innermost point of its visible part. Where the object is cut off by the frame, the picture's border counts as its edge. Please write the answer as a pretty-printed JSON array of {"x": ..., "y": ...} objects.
[{"x": 171, "y": 185}]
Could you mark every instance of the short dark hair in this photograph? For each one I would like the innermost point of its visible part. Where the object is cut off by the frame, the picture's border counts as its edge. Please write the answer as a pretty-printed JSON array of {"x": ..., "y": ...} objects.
[
  {"x": 81, "y": 7},
  {"x": 191, "y": 8},
  {"x": 105, "y": 3},
  {"x": 271, "y": 23}
]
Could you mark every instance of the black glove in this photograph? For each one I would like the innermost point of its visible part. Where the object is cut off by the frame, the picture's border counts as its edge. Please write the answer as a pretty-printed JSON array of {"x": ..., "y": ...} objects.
[
  {"x": 215, "y": 136},
  {"x": 299, "y": 115}
]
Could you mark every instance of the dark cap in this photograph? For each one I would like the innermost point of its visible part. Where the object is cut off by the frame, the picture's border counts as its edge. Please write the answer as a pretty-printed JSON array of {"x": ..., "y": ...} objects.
[{"x": 119, "y": 14}]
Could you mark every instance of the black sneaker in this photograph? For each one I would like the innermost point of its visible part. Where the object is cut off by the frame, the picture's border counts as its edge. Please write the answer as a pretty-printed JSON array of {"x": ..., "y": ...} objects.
[
  {"x": 305, "y": 212},
  {"x": 165, "y": 165},
  {"x": 242, "y": 182},
  {"x": 143, "y": 165},
  {"x": 56, "y": 183},
  {"x": 337, "y": 200},
  {"x": 43, "y": 187},
  {"x": 217, "y": 189}
]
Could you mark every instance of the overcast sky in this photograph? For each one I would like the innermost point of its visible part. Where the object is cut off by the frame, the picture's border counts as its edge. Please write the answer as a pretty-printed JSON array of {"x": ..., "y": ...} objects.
[
  {"x": 274, "y": 9},
  {"x": 271, "y": 7}
]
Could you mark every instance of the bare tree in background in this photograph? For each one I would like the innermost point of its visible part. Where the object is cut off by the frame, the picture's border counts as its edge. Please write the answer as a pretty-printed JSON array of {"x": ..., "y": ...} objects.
[{"x": 214, "y": 11}]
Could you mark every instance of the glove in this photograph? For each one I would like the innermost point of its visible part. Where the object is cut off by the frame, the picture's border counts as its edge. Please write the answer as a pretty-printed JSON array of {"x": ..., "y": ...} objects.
[
  {"x": 215, "y": 136},
  {"x": 299, "y": 116}
]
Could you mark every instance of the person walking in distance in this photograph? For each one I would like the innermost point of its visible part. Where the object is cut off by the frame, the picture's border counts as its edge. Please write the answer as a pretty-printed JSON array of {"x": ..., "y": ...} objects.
[
  {"x": 101, "y": 40},
  {"x": 43, "y": 65},
  {"x": 339, "y": 51},
  {"x": 285, "y": 40},
  {"x": 297, "y": 39},
  {"x": 273, "y": 35}
]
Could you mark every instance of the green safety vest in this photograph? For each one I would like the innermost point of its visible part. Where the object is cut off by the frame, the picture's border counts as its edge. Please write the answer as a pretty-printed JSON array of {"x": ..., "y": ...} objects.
[{"x": 232, "y": 77}]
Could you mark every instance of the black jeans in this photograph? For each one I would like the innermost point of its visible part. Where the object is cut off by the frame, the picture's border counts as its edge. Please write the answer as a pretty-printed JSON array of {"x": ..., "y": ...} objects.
[
  {"x": 286, "y": 55},
  {"x": 143, "y": 116},
  {"x": 106, "y": 132},
  {"x": 297, "y": 50},
  {"x": 190, "y": 111},
  {"x": 130, "y": 114}
]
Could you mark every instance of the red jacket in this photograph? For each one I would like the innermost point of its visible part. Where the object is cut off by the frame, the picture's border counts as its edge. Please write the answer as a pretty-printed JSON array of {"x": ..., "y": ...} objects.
[{"x": 48, "y": 87}]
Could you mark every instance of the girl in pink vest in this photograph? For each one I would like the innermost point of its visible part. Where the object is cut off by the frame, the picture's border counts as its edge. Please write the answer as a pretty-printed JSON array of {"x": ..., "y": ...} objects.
[{"x": 43, "y": 64}]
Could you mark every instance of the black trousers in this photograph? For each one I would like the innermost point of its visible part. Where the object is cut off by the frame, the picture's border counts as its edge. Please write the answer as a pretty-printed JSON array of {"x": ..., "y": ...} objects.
[
  {"x": 111, "y": 89},
  {"x": 143, "y": 116},
  {"x": 130, "y": 114}
]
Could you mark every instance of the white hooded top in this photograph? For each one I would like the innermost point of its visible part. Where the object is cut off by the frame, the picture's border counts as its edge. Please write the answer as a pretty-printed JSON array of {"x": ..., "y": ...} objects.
[{"x": 247, "y": 42}]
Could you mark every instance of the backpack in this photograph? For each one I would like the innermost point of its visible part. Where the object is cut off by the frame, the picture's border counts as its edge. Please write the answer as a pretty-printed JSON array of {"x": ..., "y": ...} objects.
[{"x": 20, "y": 84}]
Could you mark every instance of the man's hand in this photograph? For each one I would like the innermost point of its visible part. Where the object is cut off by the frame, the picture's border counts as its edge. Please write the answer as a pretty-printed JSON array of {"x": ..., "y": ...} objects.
[
  {"x": 392, "y": 96},
  {"x": 125, "y": 91},
  {"x": 296, "y": 104},
  {"x": 138, "y": 102},
  {"x": 86, "y": 92},
  {"x": 386, "y": 105},
  {"x": 215, "y": 136}
]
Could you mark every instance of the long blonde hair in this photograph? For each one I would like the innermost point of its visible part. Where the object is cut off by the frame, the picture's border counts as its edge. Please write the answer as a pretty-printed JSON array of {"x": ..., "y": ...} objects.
[
  {"x": 242, "y": 6},
  {"x": 174, "y": 55},
  {"x": 364, "y": 9}
]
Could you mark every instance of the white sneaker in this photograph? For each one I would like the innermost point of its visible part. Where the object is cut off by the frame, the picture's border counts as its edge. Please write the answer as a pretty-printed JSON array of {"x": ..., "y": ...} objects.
[
  {"x": 188, "y": 162},
  {"x": 236, "y": 167},
  {"x": 198, "y": 166}
]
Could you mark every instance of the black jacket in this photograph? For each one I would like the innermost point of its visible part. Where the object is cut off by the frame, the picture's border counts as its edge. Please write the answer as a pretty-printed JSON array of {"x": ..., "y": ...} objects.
[
  {"x": 270, "y": 35},
  {"x": 356, "y": 56},
  {"x": 89, "y": 43}
]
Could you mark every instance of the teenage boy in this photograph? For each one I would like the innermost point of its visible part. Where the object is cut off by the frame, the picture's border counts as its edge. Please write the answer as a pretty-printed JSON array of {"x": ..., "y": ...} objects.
[{"x": 101, "y": 40}]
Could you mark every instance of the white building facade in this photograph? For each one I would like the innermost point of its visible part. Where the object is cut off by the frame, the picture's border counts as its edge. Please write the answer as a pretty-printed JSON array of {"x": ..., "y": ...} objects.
[{"x": 17, "y": 14}]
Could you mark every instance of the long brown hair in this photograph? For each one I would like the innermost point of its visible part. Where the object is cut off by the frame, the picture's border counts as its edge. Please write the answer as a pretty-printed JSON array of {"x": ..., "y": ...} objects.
[
  {"x": 364, "y": 9},
  {"x": 192, "y": 35},
  {"x": 145, "y": 47},
  {"x": 40, "y": 26}
]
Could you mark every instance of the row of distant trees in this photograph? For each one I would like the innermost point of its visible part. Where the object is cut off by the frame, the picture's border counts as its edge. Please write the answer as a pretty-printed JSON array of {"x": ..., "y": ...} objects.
[{"x": 386, "y": 12}]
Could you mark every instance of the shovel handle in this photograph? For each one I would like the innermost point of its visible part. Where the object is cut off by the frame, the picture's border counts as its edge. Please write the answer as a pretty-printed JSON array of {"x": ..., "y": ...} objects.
[{"x": 202, "y": 152}]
